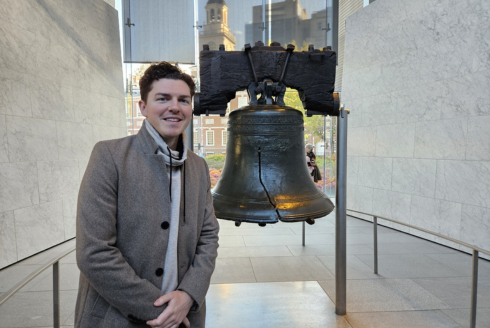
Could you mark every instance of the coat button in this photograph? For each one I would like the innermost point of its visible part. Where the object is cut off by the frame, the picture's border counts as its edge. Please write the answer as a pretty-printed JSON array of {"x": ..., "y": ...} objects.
[
  {"x": 165, "y": 225},
  {"x": 159, "y": 272}
]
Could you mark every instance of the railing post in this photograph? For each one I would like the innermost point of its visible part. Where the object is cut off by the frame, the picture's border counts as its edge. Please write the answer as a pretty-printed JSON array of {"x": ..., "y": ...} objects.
[
  {"x": 474, "y": 289},
  {"x": 304, "y": 233},
  {"x": 341, "y": 215},
  {"x": 375, "y": 227},
  {"x": 56, "y": 295}
]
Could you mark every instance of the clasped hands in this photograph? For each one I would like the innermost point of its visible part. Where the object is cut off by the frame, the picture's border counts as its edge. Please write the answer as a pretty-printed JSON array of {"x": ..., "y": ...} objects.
[{"x": 178, "y": 305}]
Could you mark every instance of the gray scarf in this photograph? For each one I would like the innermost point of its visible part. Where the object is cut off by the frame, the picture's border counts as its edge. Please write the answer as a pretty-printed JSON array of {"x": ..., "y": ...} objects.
[{"x": 171, "y": 157}]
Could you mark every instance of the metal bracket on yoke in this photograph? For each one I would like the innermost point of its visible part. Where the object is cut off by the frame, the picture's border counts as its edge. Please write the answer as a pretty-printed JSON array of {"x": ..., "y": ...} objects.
[{"x": 267, "y": 88}]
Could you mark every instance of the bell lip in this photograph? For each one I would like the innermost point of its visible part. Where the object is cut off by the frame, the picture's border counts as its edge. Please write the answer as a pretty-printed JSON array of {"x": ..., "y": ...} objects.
[{"x": 268, "y": 221}]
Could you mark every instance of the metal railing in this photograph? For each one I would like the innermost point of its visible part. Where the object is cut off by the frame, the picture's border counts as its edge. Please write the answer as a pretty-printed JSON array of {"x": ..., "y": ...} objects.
[
  {"x": 56, "y": 285},
  {"x": 476, "y": 251}
]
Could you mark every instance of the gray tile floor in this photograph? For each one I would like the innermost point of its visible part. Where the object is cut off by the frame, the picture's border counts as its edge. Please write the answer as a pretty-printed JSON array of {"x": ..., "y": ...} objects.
[{"x": 265, "y": 278}]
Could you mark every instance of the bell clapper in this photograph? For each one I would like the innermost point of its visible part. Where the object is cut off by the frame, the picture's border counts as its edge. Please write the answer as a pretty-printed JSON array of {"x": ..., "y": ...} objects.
[
  {"x": 310, "y": 221},
  {"x": 238, "y": 223},
  {"x": 262, "y": 224}
]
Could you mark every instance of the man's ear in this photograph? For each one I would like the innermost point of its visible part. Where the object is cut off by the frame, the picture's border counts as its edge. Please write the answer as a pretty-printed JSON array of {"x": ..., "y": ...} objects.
[{"x": 142, "y": 106}]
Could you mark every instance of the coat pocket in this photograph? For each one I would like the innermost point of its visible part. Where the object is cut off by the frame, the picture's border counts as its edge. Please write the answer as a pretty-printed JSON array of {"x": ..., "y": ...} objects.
[{"x": 100, "y": 307}]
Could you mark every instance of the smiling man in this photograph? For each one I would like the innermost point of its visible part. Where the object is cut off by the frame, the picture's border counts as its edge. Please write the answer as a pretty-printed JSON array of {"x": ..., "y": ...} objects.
[{"x": 147, "y": 236}]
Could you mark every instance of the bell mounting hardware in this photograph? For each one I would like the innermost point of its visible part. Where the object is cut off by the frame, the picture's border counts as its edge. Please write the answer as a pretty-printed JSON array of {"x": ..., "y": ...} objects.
[{"x": 267, "y": 71}]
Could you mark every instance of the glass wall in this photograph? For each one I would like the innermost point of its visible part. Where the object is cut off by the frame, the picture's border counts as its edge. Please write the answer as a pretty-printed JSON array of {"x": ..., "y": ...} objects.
[{"x": 235, "y": 23}]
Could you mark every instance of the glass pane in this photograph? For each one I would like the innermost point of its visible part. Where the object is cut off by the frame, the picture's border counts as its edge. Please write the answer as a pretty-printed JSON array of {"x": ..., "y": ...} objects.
[{"x": 156, "y": 30}]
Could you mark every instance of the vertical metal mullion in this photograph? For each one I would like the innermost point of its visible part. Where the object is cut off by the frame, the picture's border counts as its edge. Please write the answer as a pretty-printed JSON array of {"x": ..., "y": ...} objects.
[
  {"x": 304, "y": 227},
  {"x": 335, "y": 25},
  {"x": 341, "y": 215},
  {"x": 375, "y": 233},
  {"x": 474, "y": 289},
  {"x": 263, "y": 22},
  {"x": 56, "y": 295}
]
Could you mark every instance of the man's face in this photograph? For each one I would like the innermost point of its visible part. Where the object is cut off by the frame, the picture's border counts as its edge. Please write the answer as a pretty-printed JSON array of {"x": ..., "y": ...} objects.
[{"x": 168, "y": 109}]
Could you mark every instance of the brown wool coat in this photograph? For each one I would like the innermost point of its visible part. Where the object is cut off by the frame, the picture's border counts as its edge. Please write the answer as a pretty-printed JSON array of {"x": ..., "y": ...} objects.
[{"x": 121, "y": 241}]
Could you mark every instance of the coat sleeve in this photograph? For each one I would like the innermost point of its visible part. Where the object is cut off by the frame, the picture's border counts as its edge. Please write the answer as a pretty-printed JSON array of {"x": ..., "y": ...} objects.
[
  {"x": 198, "y": 277},
  {"x": 98, "y": 257}
]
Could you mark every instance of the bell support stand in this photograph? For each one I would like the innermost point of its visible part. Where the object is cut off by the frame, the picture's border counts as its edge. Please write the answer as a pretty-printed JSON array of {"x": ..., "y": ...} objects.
[{"x": 341, "y": 214}]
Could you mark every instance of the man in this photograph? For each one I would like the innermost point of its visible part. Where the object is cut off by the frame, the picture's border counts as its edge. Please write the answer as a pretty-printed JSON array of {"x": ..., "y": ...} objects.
[{"x": 147, "y": 236}]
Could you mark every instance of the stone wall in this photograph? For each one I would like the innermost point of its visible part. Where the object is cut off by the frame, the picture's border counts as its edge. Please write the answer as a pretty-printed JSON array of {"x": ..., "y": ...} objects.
[
  {"x": 61, "y": 91},
  {"x": 417, "y": 79}
]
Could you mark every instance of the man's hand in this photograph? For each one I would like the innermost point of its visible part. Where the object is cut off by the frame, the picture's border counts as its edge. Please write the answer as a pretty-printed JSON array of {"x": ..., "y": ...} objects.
[{"x": 179, "y": 304}]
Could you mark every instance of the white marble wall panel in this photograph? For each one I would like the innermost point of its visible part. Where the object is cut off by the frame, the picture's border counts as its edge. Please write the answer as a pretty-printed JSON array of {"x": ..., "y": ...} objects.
[
  {"x": 38, "y": 227},
  {"x": 355, "y": 115},
  {"x": 392, "y": 205},
  {"x": 52, "y": 100},
  {"x": 476, "y": 18},
  {"x": 360, "y": 198},
  {"x": 70, "y": 216},
  {"x": 478, "y": 146},
  {"x": 82, "y": 166},
  {"x": 420, "y": 103},
  {"x": 400, "y": 208},
  {"x": 463, "y": 96},
  {"x": 361, "y": 141},
  {"x": 4, "y": 155},
  {"x": 375, "y": 172},
  {"x": 420, "y": 73},
  {"x": 19, "y": 186},
  {"x": 414, "y": 176},
  {"x": 108, "y": 132},
  {"x": 444, "y": 139},
  {"x": 60, "y": 76},
  {"x": 382, "y": 200},
  {"x": 475, "y": 226},
  {"x": 429, "y": 26},
  {"x": 436, "y": 215},
  {"x": 353, "y": 169},
  {"x": 16, "y": 48},
  {"x": 15, "y": 97},
  {"x": 395, "y": 140},
  {"x": 8, "y": 248},
  {"x": 31, "y": 139},
  {"x": 57, "y": 180},
  {"x": 86, "y": 107},
  {"x": 75, "y": 141},
  {"x": 377, "y": 110},
  {"x": 467, "y": 182},
  {"x": 109, "y": 116}
]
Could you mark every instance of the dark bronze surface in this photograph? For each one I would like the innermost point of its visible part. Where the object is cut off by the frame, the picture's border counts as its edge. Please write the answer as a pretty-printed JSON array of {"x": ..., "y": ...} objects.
[{"x": 265, "y": 177}]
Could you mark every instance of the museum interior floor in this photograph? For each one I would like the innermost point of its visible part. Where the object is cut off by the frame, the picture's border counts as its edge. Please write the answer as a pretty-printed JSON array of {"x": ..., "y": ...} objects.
[{"x": 264, "y": 277}]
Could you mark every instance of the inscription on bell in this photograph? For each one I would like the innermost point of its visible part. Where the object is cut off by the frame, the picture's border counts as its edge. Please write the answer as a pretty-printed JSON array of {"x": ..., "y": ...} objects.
[
  {"x": 267, "y": 120},
  {"x": 265, "y": 128},
  {"x": 272, "y": 146}
]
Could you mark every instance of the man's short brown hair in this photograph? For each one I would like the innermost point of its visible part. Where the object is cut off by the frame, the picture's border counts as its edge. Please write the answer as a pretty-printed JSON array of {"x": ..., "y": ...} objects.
[{"x": 163, "y": 70}]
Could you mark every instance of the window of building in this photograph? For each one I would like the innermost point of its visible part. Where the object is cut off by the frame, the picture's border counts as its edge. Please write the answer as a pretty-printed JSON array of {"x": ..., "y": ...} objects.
[
  {"x": 209, "y": 153},
  {"x": 219, "y": 15},
  {"x": 224, "y": 137},
  {"x": 212, "y": 15},
  {"x": 195, "y": 136},
  {"x": 209, "y": 138},
  {"x": 242, "y": 101},
  {"x": 224, "y": 121},
  {"x": 209, "y": 121}
]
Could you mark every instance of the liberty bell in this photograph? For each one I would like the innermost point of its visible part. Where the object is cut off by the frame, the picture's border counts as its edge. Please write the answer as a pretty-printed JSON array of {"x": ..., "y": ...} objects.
[{"x": 265, "y": 178}]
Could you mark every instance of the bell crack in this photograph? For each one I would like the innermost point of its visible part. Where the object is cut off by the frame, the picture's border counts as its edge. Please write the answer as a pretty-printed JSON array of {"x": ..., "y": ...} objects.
[{"x": 263, "y": 186}]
